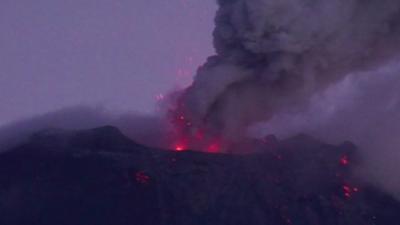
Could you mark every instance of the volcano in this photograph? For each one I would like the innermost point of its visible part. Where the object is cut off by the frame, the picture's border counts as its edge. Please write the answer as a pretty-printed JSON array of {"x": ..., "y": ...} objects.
[{"x": 100, "y": 177}]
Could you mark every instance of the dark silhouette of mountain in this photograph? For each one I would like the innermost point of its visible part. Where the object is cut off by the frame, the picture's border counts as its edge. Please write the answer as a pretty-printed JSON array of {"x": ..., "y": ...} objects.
[{"x": 100, "y": 177}]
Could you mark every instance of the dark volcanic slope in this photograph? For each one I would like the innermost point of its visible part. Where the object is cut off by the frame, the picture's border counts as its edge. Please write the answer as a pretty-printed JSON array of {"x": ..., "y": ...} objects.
[{"x": 99, "y": 177}]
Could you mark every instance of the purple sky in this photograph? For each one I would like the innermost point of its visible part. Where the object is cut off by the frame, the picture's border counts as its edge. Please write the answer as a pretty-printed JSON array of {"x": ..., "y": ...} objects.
[{"x": 116, "y": 53}]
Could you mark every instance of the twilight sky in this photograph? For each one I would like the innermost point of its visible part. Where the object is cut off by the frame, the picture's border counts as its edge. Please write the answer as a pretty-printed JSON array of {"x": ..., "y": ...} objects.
[{"x": 116, "y": 53}]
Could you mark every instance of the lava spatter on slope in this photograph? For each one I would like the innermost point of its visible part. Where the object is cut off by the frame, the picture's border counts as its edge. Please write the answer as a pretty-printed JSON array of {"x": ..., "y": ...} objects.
[
  {"x": 100, "y": 177},
  {"x": 187, "y": 136}
]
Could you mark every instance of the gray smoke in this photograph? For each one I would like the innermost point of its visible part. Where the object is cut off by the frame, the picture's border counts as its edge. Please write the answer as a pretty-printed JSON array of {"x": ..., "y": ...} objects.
[
  {"x": 363, "y": 108},
  {"x": 329, "y": 68},
  {"x": 273, "y": 55}
]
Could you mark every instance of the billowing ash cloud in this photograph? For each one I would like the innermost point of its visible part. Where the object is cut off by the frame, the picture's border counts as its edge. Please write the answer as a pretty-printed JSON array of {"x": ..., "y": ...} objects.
[
  {"x": 329, "y": 68},
  {"x": 273, "y": 55}
]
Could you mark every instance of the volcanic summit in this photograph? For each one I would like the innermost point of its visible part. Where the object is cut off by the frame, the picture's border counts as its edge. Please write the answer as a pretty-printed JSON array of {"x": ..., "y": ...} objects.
[{"x": 101, "y": 177}]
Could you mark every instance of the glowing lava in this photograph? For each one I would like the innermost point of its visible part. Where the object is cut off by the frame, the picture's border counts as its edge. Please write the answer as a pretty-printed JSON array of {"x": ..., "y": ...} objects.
[
  {"x": 187, "y": 135},
  {"x": 180, "y": 147},
  {"x": 142, "y": 178},
  {"x": 348, "y": 191},
  {"x": 214, "y": 148},
  {"x": 344, "y": 161}
]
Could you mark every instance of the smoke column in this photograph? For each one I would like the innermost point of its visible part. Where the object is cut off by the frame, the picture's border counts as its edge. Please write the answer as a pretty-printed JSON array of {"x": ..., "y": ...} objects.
[
  {"x": 274, "y": 55},
  {"x": 329, "y": 68}
]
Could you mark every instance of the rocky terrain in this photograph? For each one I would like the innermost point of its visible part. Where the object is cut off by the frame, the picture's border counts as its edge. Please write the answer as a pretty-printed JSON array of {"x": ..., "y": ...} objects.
[{"x": 100, "y": 177}]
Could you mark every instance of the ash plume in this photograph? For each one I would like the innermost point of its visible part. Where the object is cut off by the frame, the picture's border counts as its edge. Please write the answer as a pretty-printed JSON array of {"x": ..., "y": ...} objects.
[
  {"x": 274, "y": 55},
  {"x": 328, "y": 68}
]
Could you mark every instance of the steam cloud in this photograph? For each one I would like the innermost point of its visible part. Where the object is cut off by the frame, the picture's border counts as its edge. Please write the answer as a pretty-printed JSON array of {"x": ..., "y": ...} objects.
[
  {"x": 150, "y": 130},
  {"x": 274, "y": 55}
]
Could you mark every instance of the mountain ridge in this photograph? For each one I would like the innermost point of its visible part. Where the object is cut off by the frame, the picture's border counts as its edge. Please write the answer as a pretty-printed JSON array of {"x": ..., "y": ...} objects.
[{"x": 100, "y": 177}]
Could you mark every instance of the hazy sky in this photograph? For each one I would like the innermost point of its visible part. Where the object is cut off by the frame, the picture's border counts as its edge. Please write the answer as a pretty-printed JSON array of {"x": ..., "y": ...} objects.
[{"x": 117, "y": 53}]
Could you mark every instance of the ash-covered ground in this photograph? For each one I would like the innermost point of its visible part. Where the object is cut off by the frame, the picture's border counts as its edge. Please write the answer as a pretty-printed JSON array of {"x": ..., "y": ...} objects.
[{"x": 100, "y": 177}]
